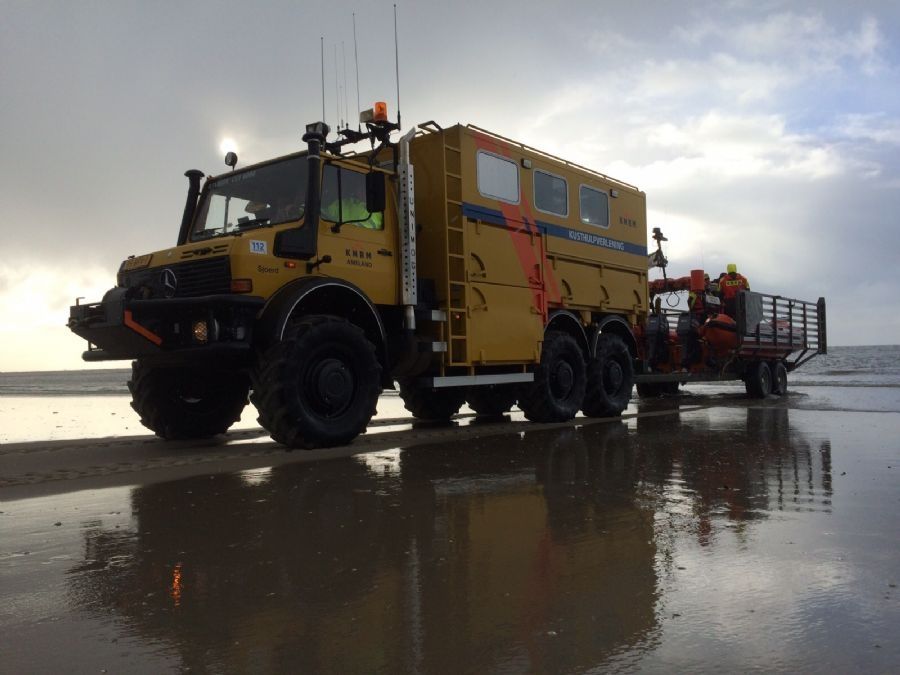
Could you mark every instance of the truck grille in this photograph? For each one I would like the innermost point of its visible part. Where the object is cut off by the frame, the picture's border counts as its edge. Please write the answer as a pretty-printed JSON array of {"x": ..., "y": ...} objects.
[{"x": 209, "y": 276}]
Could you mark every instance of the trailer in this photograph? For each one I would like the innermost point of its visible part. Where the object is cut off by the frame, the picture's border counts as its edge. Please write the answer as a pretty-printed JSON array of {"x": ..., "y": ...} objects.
[
  {"x": 453, "y": 263},
  {"x": 770, "y": 337}
]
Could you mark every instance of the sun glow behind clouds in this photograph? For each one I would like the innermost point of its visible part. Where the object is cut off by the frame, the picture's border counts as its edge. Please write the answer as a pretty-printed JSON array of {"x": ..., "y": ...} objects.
[{"x": 227, "y": 145}]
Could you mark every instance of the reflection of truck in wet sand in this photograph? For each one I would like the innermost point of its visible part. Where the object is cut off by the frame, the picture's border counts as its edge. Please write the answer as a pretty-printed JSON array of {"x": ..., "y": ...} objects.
[
  {"x": 399, "y": 564},
  {"x": 500, "y": 275}
]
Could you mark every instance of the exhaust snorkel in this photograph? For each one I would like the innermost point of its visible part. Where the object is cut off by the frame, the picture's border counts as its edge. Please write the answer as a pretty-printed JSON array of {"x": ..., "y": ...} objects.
[{"x": 193, "y": 176}]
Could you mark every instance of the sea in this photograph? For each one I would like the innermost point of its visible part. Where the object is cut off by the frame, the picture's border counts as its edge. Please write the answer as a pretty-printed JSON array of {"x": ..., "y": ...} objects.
[{"x": 875, "y": 366}]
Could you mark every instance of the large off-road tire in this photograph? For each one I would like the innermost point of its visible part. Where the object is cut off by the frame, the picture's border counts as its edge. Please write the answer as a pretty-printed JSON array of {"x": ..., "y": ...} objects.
[
  {"x": 557, "y": 392},
  {"x": 610, "y": 377},
  {"x": 779, "y": 378},
  {"x": 319, "y": 386},
  {"x": 493, "y": 399},
  {"x": 758, "y": 379},
  {"x": 182, "y": 403},
  {"x": 429, "y": 404}
]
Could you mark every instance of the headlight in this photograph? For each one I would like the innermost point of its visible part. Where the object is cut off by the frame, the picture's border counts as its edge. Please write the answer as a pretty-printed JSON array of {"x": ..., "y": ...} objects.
[{"x": 200, "y": 330}]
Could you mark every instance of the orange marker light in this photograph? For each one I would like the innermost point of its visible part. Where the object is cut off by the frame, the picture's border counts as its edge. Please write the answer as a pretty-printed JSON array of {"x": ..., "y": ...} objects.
[
  {"x": 242, "y": 285},
  {"x": 380, "y": 111}
]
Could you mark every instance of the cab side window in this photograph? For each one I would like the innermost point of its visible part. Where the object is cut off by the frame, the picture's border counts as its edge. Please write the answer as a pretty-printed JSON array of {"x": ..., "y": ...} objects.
[{"x": 344, "y": 199}]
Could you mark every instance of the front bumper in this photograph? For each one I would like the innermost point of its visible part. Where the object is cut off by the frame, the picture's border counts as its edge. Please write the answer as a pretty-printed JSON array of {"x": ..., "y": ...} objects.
[{"x": 161, "y": 329}]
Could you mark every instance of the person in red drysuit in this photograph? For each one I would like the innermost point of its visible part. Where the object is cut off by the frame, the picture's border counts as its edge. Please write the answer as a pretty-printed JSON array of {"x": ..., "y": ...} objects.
[{"x": 730, "y": 284}]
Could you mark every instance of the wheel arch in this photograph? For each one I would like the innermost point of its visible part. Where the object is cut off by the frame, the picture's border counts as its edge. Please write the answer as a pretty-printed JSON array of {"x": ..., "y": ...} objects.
[
  {"x": 566, "y": 322},
  {"x": 614, "y": 325},
  {"x": 318, "y": 295}
]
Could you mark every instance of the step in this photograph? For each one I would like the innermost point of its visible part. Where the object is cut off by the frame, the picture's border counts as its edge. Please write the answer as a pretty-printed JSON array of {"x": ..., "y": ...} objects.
[{"x": 436, "y": 315}]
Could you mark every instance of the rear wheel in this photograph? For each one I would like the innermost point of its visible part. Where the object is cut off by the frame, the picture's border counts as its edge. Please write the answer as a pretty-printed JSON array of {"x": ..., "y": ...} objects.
[
  {"x": 779, "y": 378},
  {"x": 430, "y": 404},
  {"x": 758, "y": 380},
  {"x": 319, "y": 387},
  {"x": 492, "y": 400},
  {"x": 557, "y": 392},
  {"x": 182, "y": 403},
  {"x": 610, "y": 377}
]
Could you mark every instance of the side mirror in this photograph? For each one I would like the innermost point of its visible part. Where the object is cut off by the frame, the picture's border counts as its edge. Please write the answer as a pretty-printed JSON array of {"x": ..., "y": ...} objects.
[{"x": 375, "y": 192}]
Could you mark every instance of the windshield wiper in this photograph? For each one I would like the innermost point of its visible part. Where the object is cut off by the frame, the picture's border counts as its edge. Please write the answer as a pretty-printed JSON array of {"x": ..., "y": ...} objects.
[
  {"x": 204, "y": 234},
  {"x": 256, "y": 222},
  {"x": 212, "y": 234}
]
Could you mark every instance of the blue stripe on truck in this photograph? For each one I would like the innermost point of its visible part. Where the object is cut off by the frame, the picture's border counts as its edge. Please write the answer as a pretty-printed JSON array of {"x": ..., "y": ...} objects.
[{"x": 496, "y": 217}]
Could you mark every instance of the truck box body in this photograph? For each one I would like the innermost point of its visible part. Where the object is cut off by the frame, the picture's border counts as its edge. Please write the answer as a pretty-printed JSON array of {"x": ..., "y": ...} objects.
[{"x": 502, "y": 262}]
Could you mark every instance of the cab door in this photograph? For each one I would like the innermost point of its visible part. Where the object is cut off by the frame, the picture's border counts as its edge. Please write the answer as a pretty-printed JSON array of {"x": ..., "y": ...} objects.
[{"x": 363, "y": 250}]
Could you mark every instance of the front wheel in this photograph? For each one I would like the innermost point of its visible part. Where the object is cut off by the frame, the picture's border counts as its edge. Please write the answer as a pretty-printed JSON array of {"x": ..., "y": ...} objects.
[
  {"x": 184, "y": 403},
  {"x": 320, "y": 386},
  {"x": 610, "y": 378},
  {"x": 557, "y": 392}
]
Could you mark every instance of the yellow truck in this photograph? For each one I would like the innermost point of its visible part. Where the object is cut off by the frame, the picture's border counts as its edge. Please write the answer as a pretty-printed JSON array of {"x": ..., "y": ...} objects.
[{"x": 455, "y": 263}]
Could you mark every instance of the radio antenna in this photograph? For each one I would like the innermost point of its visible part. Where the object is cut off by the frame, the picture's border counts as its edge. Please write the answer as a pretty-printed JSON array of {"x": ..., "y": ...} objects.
[
  {"x": 397, "y": 64},
  {"x": 346, "y": 105},
  {"x": 356, "y": 59},
  {"x": 322, "y": 50},
  {"x": 337, "y": 91}
]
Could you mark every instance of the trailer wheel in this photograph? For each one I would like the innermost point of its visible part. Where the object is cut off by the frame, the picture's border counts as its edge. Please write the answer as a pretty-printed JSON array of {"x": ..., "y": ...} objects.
[
  {"x": 758, "y": 380},
  {"x": 182, "y": 403},
  {"x": 429, "y": 404},
  {"x": 560, "y": 379},
  {"x": 492, "y": 400},
  {"x": 779, "y": 378},
  {"x": 610, "y": 378},
  {"x": 318, "y": 387}
]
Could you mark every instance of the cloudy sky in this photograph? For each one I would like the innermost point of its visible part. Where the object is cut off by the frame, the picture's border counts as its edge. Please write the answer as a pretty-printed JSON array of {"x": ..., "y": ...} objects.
[{"x": 765, "y": 133}]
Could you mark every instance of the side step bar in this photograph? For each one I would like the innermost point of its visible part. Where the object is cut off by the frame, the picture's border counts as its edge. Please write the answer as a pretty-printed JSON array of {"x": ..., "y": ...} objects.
[{"x": 475, "y": 380}]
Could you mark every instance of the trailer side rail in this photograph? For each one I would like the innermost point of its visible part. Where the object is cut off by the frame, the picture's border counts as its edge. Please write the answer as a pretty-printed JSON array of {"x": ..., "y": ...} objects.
[{"x": 776, "y": 326}]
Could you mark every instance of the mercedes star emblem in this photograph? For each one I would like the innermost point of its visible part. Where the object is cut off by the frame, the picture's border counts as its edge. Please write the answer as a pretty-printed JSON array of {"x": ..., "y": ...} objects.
[{"x": 169, "y": 282}]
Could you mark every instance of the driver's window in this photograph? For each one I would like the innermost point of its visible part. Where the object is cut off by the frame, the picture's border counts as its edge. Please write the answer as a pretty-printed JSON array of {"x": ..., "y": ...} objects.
[{"x": 344, "y": 199}]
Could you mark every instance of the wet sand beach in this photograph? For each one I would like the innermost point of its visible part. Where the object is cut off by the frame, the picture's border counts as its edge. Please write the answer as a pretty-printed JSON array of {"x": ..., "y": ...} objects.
[{"x": 706, "y": 532}]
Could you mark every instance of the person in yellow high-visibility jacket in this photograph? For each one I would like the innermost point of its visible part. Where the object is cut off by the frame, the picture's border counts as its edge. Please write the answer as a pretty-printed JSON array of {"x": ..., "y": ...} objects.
[
  {"x": 730, "y": 284},
  {"x": 353, "y": 212}
]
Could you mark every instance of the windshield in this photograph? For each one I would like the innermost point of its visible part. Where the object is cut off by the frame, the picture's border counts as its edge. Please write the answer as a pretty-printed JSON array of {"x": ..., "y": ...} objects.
[{"x": 267, "y": 195}]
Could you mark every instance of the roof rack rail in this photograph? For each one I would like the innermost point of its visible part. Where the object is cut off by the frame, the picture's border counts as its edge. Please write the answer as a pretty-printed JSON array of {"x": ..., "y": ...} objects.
[{"x": 573, "y": 165}]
